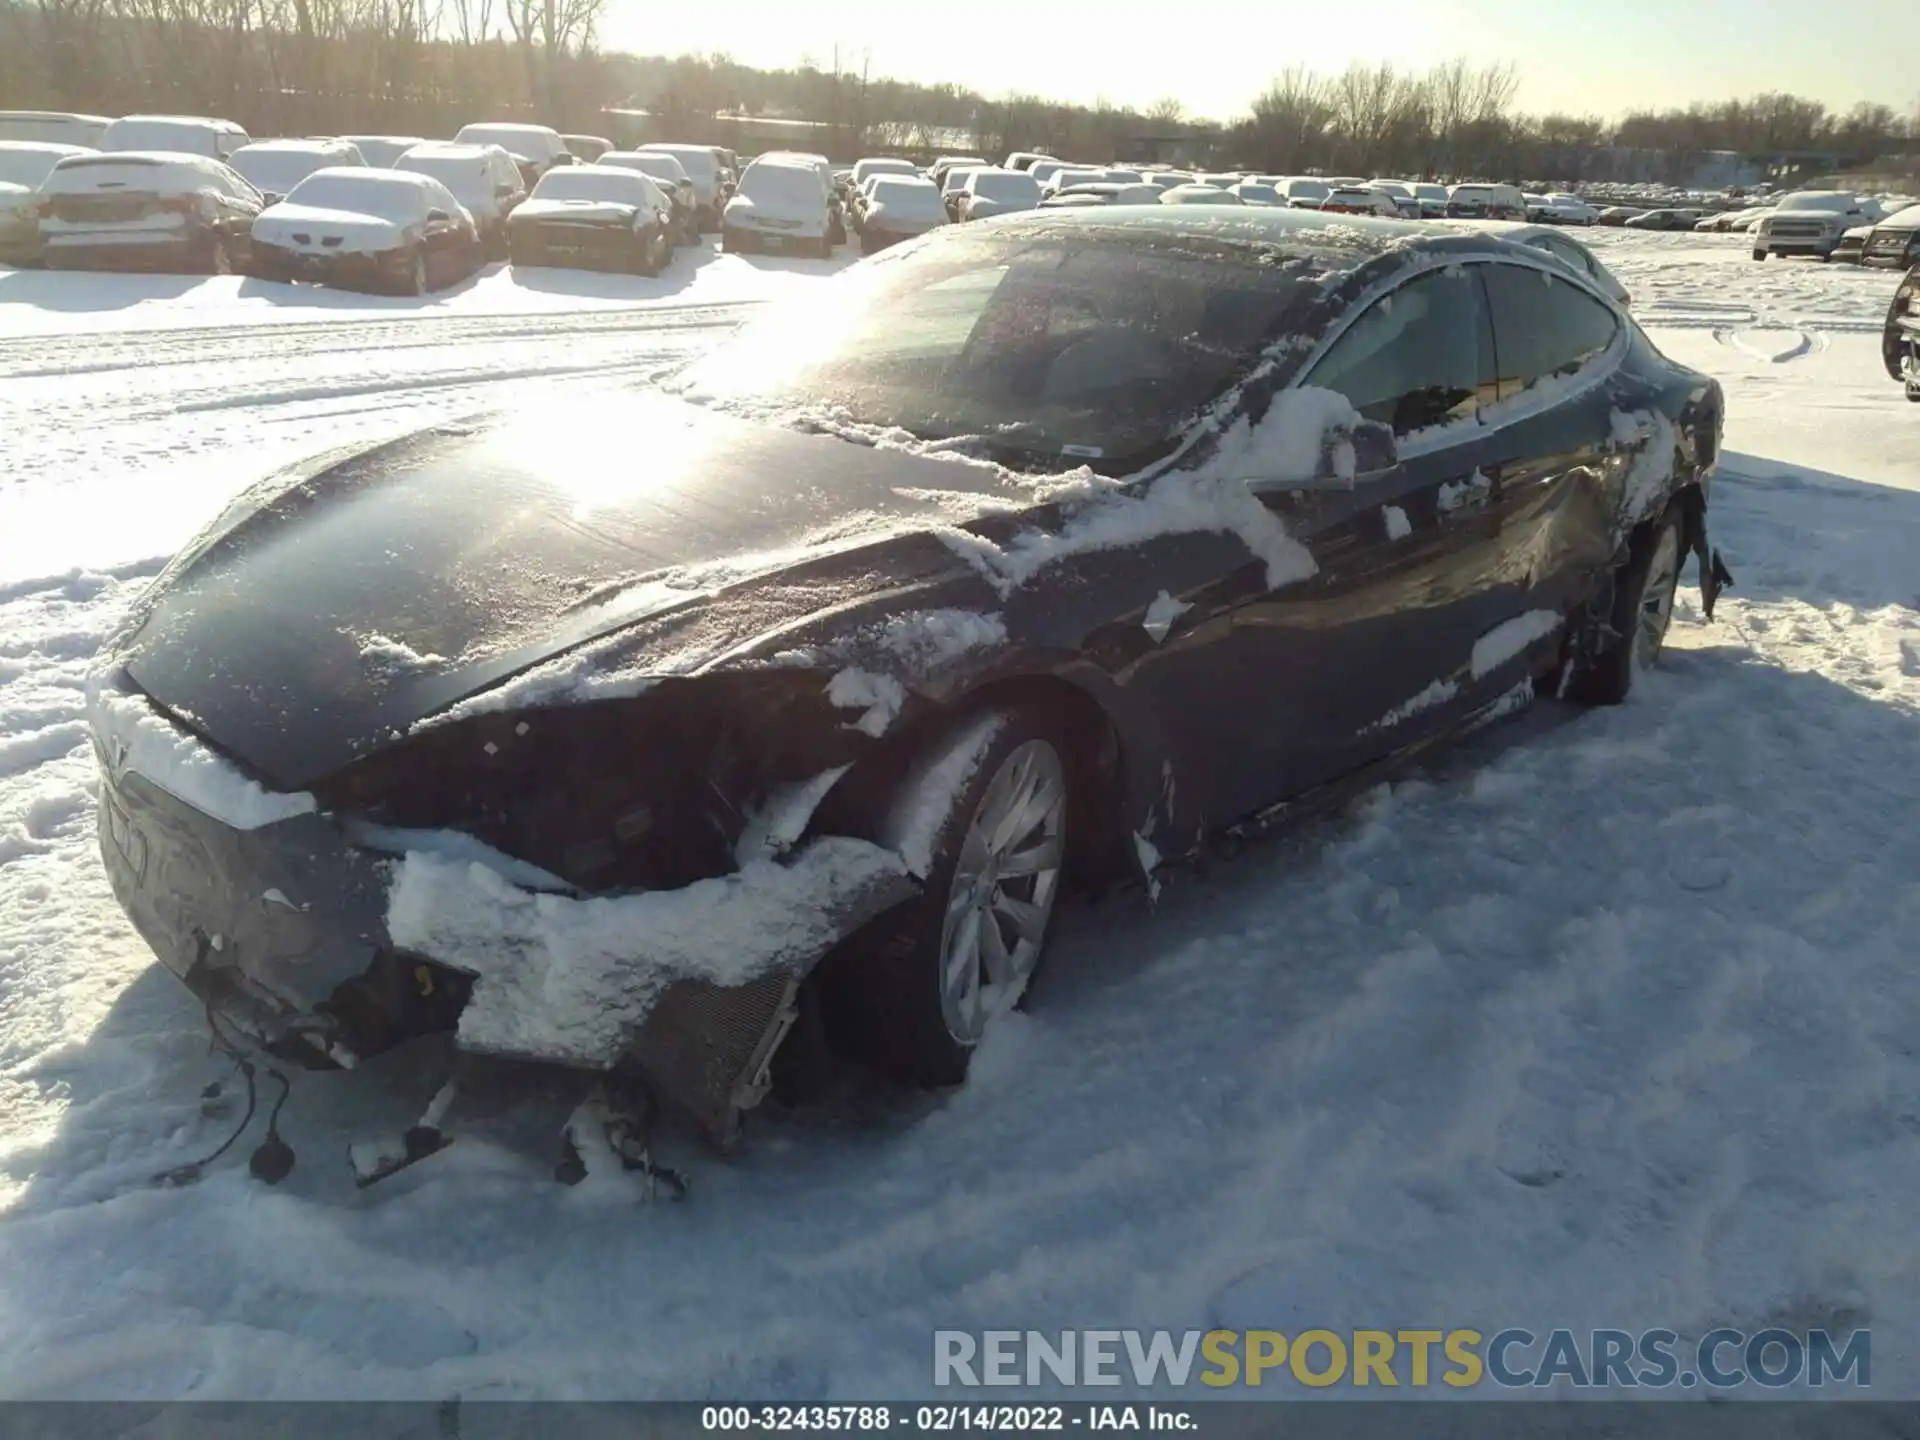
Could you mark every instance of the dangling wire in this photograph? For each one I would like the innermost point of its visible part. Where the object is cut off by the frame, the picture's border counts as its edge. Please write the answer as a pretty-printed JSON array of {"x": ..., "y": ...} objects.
[{"x": 221, "y": 1043}]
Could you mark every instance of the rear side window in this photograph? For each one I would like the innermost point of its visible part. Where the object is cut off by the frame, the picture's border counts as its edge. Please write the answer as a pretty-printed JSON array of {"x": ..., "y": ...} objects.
[
  {"x": 1570, "y": 253},
  {"x": 1543, "y": 326},
  {"x": 1421, "y": 356}
]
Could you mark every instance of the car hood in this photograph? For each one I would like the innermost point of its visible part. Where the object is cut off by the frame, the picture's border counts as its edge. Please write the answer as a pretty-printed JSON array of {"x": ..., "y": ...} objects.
[
  {"x": 599, "y": 212},
  {"x": 351, "y": 600},
  {"x": 1833, "y": 216},
  {"x": 280, "y": 224}
]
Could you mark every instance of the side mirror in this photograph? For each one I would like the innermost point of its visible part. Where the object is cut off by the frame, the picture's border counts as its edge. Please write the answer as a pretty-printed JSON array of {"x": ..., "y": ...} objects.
[{"x": 1353, "y": 457}]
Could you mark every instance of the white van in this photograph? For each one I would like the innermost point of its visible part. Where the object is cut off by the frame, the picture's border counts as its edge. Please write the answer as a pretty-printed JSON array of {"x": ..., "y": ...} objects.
[
  {"x": 51, "y": 127},
  {"x": 175, "y": 135},
  {"x": 1486, "y": 202}
]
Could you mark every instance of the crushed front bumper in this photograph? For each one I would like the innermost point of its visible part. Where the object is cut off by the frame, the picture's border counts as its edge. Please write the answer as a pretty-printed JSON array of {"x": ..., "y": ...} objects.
[{"x": 285, "y": 931}]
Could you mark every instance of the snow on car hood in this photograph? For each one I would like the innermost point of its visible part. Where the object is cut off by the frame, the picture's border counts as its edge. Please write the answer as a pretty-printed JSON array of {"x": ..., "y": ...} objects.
[
  {"x": 599, "y": 212},
  {"x": 331, "y": 611},
  {"x": 279, "y": 224},
  {"x": 15, "y": 197}
]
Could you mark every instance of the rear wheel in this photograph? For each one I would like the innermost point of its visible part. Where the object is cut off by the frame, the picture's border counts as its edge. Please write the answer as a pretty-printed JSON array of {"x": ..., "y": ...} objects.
[
  {"x": 1759, "y": 254},
  {"x": 1642, "y": 612},
  {"x": 413, "y": 279},
  {"x": 925, "y": 984}
]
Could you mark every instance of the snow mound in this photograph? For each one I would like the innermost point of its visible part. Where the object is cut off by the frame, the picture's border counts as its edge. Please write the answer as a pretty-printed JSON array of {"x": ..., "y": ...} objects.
[
  {"x": 879, "y": 696},
  {"x": 572, "y": 980},
  {"x": 928, "y": 793}
]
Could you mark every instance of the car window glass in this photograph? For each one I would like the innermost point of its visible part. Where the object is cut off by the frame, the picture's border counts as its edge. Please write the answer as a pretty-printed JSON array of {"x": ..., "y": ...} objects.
[
  {"x": 1543, "y": 326},
  {"x": 1421, "y": 356}
]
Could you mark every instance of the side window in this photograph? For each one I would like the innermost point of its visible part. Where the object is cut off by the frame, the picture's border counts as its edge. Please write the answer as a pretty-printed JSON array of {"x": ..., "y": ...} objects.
[
  {"x": 1543, "y": 326},
  {"x": 1421, "y": 356}
]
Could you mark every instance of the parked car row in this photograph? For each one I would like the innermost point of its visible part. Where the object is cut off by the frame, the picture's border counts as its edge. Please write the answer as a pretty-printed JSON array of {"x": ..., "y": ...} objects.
[{"x": 400, "y": 212}]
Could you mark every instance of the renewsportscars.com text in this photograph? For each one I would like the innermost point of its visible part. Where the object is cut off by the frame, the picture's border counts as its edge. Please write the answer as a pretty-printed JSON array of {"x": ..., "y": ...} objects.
[{"x": 1461, "y": 1359}]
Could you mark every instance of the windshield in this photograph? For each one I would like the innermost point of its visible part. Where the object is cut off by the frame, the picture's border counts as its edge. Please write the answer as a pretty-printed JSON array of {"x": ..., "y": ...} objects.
[
  {"x": 389, "y": 197},
  {"x": 582, "y": 184},
  {"x": 279, "y": 170},
  {"x": 465, "y": 175},
  {"x": 786, "y": 185},
  {"x": 1010, "y": 186},
  {"x": 1101, "y": 346}
]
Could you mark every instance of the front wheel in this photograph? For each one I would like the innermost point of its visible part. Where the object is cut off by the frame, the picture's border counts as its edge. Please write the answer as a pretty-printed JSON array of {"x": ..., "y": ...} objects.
[
  {"x": 1759, "y": 254},
  {"x": 927, "y": 981},
  {"x": 1642, "y": 613}
]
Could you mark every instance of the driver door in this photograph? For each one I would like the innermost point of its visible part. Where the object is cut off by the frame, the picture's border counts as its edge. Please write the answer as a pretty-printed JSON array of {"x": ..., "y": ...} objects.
[{"x": 1374, "y": 651}]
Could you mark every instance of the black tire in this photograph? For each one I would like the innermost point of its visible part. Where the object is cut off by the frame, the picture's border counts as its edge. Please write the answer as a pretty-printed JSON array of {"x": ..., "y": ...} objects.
[
  {"x": 646, "y": 255},
  {"x": 1607, "y": 678},
  {"x": 1913, "y": 389},
  {"x": 1759, "y": 254},
  {"x": 413, "y": 280},
  {"x": 884, "y": 992}
]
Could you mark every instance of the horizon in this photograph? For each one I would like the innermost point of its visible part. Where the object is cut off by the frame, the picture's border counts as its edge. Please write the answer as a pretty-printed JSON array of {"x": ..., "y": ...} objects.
[{"x": 1709, "y": 50}]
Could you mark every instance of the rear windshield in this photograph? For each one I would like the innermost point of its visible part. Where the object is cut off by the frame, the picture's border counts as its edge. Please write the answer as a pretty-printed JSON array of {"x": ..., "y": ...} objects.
[
  {"x": 583, "y": 184},
  {"x": 782, "y": 185},
  {"x": 1011, "y": 185},
  {"x": 881, "y": 167},
  {"x": 388, "y": 196},
  {"x": 1309, "y": 188},
  {"x": 58, "y": 129},
  {"x": 661, "y": 167},
  {"x": 138, "y": 174},
  {"x": 699, "y": 164},
  {"x": 280, "y": 170},
  {"x": 514, "y": 139},
  {"x": 464, "y": 175},
  {"x": 1818, "y": 200},
  {"x": 1033, "y": 344},
  {"x": 382, "y": 149},
  {"x": 26, "y": 167},
  {"x": 906, "y": 196},
  {"x": 191, "y": 137}
]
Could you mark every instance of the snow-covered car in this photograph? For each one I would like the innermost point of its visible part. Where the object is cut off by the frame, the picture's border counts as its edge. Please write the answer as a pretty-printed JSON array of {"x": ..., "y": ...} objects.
[
  {"x": 1433, "y": 200},
  {"x": 1305, "y": 192},
  {"x": 53, "y": 127},
  {"x": 1554, "y": 241},
  {"x": 175, "y": 134},
  {"x": 937, "y": 172},
  {"x": 1895, "y": 240},
  {"x": 24, "y": 166},
  {"x": 780, "y": 206},
  {"x": 1025, "y": 160},
  {"x": 1358, "y": 200},
  {"x": 383, "y": 150},
  {"x": 1486, "y": 202},
  {"x": 536, "y": 149},
  {"x": 1043, "y": 171},
  {"x": 671, "y": 176},
  {"x": 822, "y": 167},
  {"x": 487, "y": 181},
  {"x": 864, "y": 170},
  {"x": 496, "y": 786},
  {"x": 594, "y": 217},
  {"x": 1900, "y": 339},
  {"x": 1617, "y": 214},
  {"x": 1565, "y": 209},
  {"x": 898, "y": 208},
  {"x": 1539, "y": 209},
  {"x": 1071, "y": 175},
  {"x": 166, "y": 211},
  {"x": 1253, "y": 192},
  {"x": 1103, "y": 193},
  {"x": 1852, "y": 245},
  {"x": 1662, "y": 220},
  {"x": 587, "y": 149},
  {"x": 1405, "y": 203},
  {"x": 990, "y": 192},
  {"x": 1808, "y": 222},
  {"x": 1199, "y": 195},
  {"x": 709, "y": 182},
  {"x": 953, "y": 186},
  {"x": 363, "y": 228},
  {"x": 274, "y": 167},
  {"x": 1167, "y": 179}
]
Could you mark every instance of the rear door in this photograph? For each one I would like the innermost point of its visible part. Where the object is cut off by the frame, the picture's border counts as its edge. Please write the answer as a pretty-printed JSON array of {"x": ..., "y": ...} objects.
[{"x": 1554, "y": 449}]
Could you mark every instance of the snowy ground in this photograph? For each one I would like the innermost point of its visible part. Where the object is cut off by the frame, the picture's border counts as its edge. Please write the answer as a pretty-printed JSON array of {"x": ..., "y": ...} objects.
[{"x": 1608, "y": 1021}]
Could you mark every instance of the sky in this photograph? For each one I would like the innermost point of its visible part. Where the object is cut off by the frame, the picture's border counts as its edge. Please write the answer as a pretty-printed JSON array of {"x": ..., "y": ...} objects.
[{"x": 1601, "y": 57}]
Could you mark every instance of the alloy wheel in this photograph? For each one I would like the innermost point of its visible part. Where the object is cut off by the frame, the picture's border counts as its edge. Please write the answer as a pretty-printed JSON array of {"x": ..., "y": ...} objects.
[{"x": 1005, "y": 880}]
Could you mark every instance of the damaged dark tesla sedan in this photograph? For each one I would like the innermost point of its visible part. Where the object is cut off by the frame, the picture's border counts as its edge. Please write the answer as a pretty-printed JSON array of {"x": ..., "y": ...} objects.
[{"x": 1020, "y": 557}]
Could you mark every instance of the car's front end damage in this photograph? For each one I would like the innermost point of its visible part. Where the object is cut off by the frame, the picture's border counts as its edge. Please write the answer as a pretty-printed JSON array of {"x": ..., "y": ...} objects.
[{"x": 627, "y": 885}]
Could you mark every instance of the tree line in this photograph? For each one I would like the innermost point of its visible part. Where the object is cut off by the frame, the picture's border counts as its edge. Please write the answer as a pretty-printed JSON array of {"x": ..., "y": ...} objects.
[{"x": 428, "y": 66}]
